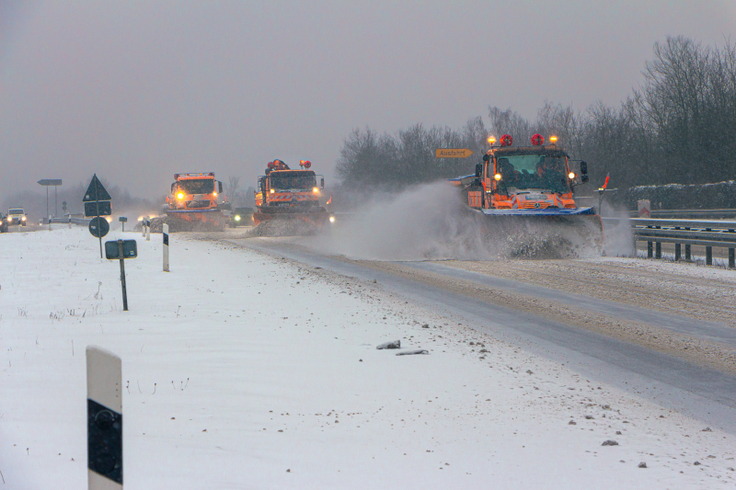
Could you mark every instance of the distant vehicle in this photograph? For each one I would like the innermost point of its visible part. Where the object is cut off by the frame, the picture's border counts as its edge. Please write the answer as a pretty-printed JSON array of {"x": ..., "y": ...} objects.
[
  {"x": 195, "y": 203},
  {"x": 289, "y": 199},
  {"x": 241, "y": 217},
  {"x": 16, "y": 216},
  {"x": 3, "y": 223}
]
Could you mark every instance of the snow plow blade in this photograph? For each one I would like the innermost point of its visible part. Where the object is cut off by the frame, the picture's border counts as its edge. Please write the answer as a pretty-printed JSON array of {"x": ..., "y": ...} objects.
[
  {"x": 187, "y": 220},
  {"x": 288, "y": 221},
  {"x": 545, "y": 233},
  {"x": 548, "y": 212}
]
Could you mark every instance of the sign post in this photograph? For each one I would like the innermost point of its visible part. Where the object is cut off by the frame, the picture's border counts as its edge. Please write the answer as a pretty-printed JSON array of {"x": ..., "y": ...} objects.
[
  {"x": 122, "y": 249},
  {"x": 97, "y": 204},
  {"x": 104, "y": 420},
  {"x": 46, "y": 183}
]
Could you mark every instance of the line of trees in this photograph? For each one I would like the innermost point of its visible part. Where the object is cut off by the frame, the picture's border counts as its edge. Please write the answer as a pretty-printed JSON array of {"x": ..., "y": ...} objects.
[{"x": 679, "y": 126}]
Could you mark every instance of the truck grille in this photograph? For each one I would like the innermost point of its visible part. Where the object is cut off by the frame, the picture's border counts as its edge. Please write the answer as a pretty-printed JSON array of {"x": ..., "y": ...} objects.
[{"x": 198, "y": 204}]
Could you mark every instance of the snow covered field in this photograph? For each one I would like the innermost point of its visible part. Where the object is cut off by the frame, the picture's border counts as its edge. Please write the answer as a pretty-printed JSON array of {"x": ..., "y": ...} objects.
[{"x": 244, "y": 371}]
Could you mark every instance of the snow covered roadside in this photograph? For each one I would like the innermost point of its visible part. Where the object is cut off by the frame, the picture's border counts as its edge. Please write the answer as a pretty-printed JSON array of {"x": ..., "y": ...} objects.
[{"x": 242, "y": 371}]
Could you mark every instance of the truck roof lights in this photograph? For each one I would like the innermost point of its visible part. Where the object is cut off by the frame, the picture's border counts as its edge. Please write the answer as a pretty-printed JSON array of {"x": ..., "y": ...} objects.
[
  {"x": 492, "y": 140},
  {"x": 506, "y": 140},
  {"x": 537, "y": 139},
  {"x": 305, "y": 163},
  {"x": 553, "y": 139}
]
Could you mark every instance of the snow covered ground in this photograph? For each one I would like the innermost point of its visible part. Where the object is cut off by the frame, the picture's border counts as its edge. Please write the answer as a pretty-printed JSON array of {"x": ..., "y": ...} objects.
[{"x": 244, "y": 371}]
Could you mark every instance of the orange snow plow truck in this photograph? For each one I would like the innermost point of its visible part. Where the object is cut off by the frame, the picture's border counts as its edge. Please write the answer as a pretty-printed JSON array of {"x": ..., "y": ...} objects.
[
  {"x": 525, "y": 194},
  {"x": 195, "y": 203},
  {"x": 287, "y": 200}
]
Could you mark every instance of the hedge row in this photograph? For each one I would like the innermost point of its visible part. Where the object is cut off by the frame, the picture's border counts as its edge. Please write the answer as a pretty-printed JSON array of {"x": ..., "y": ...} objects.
[{"x": 721, "y": 195}]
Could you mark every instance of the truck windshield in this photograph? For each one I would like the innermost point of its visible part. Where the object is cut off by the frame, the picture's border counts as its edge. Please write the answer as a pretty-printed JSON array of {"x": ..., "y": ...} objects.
[
  {"x": 15, "y": 211},
  {"x": 197, "y": 186},
  {"x": 293, "y": 180},
  {"x": 542, "y": 172}
]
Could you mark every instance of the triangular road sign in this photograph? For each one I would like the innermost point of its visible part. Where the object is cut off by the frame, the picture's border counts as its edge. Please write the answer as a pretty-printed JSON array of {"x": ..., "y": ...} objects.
[{"x": 96, "y": 191}]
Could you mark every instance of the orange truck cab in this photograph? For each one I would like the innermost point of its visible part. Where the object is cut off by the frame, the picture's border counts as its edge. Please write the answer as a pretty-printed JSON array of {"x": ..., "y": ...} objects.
[
  {"x": 285, "y": 193},
  {"x": 536, "y": 178},
  {"x": 195, "y": 199}
]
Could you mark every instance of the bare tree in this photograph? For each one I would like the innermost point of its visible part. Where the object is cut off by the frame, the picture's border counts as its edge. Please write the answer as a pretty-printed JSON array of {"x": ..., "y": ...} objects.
[
  {"x": 688, "y": 102},
  {"x": 508, "y": 122}
]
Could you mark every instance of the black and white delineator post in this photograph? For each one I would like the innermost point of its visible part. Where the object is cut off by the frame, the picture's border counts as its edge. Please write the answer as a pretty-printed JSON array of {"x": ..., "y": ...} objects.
[
  {"x": 166, "y": 247},
  {"x": 104, "y": 420}
]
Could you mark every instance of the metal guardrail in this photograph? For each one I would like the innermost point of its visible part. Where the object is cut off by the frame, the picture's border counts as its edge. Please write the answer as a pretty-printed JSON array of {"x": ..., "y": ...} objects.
[
  {"x": 76, "y": 220},
  {"x": 707, "y": 233},
  {"x": 690, "y": 213}
]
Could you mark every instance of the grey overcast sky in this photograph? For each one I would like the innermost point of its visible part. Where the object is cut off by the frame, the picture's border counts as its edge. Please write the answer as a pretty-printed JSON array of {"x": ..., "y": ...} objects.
[{"x": 137, "y": 91}]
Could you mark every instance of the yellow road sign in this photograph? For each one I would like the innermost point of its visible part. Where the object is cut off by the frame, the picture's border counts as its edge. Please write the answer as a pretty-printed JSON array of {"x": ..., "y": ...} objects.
[{"x": 452, "y": 153}]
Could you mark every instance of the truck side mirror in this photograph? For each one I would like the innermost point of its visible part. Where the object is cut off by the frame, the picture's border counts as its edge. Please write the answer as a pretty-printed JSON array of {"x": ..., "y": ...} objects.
[
  {"x": 486, "y": 157},
  {"x": 583, "y": 168},
  {"x": 322, "y": 182},
  {"x": 219, "y": 187},
  {"x": 584, "y": 178},
  {"x": 479, "y": 169}
]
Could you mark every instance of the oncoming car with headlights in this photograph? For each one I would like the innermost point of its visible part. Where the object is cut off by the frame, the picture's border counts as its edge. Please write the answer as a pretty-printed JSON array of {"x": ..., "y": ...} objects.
[
  {"x": 241, "y": 217},
  {"x": 16, "y": 216}
]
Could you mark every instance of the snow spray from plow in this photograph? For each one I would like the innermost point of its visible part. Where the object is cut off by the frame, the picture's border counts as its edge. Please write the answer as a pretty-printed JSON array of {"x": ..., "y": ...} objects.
[{"x": 430, "y": 222}]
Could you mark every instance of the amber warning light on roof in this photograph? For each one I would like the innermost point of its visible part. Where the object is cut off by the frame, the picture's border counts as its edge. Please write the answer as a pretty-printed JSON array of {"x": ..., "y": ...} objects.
[{"x": 452, "y": 153}]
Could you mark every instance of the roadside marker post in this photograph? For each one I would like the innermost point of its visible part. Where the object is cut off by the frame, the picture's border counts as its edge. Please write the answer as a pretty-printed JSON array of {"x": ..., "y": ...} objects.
[
  {"x": 104, "y": 420},
  {"x": 166, "y": 247}
]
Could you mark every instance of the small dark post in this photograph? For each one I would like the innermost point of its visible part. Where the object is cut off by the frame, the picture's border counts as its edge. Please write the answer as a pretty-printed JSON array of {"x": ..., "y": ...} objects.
[
  {"x": 708, "y": 253},
  {"x": 678, "y": 252},
  {"x": 650, "y": 253},
  {"x": 100, "y": 237},
  {"x": 658, "y": 253},
  {"x": 122, "y": 274},
  {"x": 731, "y": 258},
  {"x": 688, "y": 252}
]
